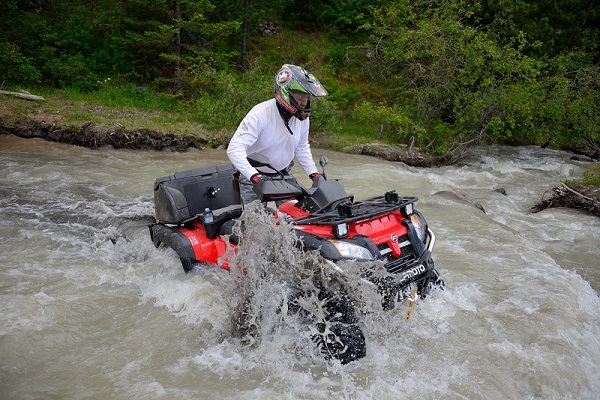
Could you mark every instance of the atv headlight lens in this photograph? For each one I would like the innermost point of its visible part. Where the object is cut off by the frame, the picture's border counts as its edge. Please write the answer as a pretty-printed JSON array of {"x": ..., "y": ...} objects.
[
  {"x": 341, "y": 230},
  {"x": 407, "y": 210},
  {"x": 349, "y": 250},
  {"x": 420, "y": 225}
]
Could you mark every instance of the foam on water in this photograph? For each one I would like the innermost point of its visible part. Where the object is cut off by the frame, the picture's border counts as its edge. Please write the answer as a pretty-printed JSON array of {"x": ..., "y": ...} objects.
[
  {"x": 511, "y": 304},
  {"x": 91, "y": 308}
]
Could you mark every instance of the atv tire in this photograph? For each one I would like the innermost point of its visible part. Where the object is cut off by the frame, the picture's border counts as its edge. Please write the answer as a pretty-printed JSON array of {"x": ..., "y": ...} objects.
[
  {"x": 345, "y": 343},
  {"x": 339, "y": 336}
]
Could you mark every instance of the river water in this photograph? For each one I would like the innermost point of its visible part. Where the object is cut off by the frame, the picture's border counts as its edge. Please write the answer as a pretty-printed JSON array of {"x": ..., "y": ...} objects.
[{"x": 90, "y": 309}]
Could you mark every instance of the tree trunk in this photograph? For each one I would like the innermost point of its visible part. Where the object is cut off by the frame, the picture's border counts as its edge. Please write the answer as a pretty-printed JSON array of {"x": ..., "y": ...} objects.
[
  {"x": 244, "y": 34},
  {"x": 177, "y": 77}
]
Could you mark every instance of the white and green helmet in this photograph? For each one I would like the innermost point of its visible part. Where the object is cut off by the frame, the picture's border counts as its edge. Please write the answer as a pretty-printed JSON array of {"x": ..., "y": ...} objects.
[{"x": 292, "y": 78}]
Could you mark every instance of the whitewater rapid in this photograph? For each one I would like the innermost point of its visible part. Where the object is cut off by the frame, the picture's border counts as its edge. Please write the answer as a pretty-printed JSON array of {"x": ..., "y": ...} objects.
[{"x": 92, "y": 310}]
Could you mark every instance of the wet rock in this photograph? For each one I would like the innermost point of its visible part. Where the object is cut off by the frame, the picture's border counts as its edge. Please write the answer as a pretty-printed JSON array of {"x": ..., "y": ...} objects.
[
  {"x": 409, "y": 155},
  {"x": 456, "y": 194}
]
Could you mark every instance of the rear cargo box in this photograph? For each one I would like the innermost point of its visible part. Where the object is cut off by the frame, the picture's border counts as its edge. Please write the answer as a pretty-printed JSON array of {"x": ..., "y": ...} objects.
[{"x": 183, "y": 195}]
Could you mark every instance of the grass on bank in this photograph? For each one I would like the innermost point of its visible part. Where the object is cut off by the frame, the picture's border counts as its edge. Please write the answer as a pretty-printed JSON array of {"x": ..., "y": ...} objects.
[
  {"x": 205, "y": 115},
  {"x": 591, "y": 177},
  {"x": 126, "y": 107}
]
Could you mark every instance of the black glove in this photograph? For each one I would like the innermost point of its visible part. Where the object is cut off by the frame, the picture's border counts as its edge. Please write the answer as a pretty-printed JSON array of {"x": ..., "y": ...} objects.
[
  {"x": 313, "y": 177},
  {"x": 257, "y": 178}
]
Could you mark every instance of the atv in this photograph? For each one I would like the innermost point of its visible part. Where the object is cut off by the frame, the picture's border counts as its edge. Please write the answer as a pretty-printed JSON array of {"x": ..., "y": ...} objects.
[{"x": 197, "y": 210}]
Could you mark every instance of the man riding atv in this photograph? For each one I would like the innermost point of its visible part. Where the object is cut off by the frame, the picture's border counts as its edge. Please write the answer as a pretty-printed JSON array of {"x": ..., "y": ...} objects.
[{"x": 277, "y": 128}]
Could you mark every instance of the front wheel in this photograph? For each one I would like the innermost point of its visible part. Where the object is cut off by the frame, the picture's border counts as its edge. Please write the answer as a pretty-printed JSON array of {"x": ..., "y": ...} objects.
[
  {"x": 342, "y": 342},
  {"x": 338, "y": 335}
]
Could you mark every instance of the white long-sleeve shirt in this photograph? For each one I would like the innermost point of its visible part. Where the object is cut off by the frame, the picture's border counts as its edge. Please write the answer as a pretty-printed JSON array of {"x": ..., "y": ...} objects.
[{"x": 263, "y": 131}]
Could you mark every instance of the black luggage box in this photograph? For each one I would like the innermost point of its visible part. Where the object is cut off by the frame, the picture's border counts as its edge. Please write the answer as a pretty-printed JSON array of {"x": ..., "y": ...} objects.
[{"x": 185, "y": 194}]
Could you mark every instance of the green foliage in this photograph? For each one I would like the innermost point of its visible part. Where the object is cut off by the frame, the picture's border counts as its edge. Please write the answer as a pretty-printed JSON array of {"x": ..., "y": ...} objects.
[
  {"x": 552, "y": 26},
  {"x": 325, "y": 116},
  {"x": 389, "y": 123},
  {"x": 440, "y": 75},
  {"x": 231, "y": 98},
  {"x": 68, "y": 43},
  {"x": 71, "y": 70},
  {"x": 591, "y": 176},
  {"x": 466, "y": 85},
  {"x": 178, "y": 46},
  {"x": 338, "y": 16},
  {"x": 124, "y": 95},
  {"x": 16, "y": 67},
  {"x": 345, "y": 14},
  {"x": 574, "y": 98}
]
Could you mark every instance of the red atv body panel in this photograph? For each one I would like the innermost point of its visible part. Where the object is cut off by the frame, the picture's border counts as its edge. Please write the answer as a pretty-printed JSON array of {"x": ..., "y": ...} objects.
[
  {"x": 385, "y": 228},
  {"x": 206, "y": 249}
]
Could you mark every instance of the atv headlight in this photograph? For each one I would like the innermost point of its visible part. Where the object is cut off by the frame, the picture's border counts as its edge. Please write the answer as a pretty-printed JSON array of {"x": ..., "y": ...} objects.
[
  {"x": 420, "y": 225},
  {"x": 340, "y": 230},
  {"x": 349, "y": 250},
  {"x": 407, "y": 210}
]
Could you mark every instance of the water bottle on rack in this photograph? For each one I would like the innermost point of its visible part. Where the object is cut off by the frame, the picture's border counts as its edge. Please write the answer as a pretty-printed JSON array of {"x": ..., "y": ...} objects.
[
  {"x": 209, "y": 218},
  {"x": 209, "y": 225}
]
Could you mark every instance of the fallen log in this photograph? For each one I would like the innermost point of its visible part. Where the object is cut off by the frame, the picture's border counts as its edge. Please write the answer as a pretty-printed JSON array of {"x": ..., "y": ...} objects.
[
  {"x": 26, "y": 96},
  {"x": 583, "y": 197}
]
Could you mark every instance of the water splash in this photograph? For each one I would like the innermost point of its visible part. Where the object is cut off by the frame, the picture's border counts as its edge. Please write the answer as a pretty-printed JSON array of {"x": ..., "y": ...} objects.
[{"x": 280, "y": 291}]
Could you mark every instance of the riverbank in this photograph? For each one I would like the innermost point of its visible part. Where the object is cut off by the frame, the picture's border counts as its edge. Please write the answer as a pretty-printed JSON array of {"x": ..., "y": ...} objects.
[{"x": 95, "y": 126}]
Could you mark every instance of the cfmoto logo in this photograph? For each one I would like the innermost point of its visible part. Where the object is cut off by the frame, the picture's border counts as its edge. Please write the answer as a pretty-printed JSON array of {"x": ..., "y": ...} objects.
[
  {"x": 394, "y": 238},
  {"x": 411, "y": 273}
]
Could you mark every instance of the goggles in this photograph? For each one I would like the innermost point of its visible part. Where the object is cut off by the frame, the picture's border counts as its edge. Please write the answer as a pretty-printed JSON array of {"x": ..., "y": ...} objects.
[{"x": 299, "y": 95}]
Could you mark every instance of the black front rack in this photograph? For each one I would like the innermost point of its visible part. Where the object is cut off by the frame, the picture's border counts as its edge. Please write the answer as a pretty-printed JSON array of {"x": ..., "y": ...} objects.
[{"x": 361, "y": 210}]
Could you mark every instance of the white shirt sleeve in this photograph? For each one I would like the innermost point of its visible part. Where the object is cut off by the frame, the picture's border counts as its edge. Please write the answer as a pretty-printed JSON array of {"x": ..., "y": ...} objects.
[
  {"x": 245, "y": 136},
  {"x": 303, "y": 153}
]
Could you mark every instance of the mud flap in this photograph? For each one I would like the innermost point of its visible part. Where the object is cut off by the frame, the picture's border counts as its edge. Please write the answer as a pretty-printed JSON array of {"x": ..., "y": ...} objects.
[{"x": 171, "y": 237}]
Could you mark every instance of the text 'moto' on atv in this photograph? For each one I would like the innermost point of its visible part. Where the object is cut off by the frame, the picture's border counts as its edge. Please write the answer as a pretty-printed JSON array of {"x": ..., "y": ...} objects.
[{"x": 196, "y": 211}]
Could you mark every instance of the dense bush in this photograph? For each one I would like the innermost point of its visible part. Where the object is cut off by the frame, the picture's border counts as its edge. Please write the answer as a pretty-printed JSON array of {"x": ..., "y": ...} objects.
[
  {"x": 16, "y": 67},
  {"x": 439, "y": 75},
  {"x": 465, "y": 84}
]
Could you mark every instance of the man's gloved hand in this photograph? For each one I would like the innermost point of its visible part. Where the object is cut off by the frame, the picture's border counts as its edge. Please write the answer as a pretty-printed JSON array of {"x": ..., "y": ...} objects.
[
  {"x": 256, "y": 178},
  {"x": 313, "y": 177}
]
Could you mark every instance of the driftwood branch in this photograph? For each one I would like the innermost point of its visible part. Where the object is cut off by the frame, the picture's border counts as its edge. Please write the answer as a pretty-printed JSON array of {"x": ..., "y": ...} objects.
[
  {"x": 584, "y": 197},
  {"x": 25, "y": 96},
  {"x": 577, "y": 193}
]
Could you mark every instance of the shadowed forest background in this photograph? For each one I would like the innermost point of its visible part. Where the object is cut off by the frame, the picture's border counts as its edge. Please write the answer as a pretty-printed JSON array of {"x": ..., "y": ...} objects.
[{"x": 441, "y": 76}]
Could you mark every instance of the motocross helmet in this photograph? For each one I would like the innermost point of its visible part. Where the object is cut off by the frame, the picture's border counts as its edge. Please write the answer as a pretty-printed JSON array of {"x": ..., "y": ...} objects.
[{"x": 292, "y": 78}]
